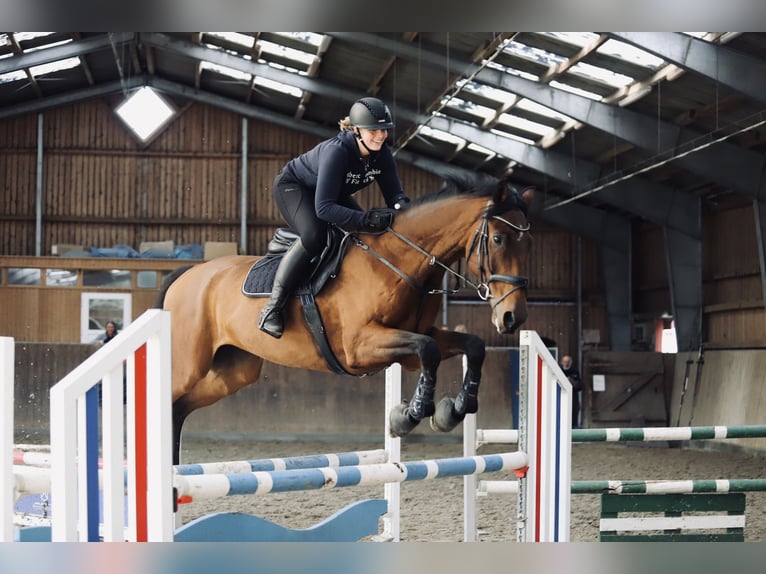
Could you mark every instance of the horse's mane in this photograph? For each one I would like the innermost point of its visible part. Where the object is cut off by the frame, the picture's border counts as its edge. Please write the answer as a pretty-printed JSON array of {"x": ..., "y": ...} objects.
[{"x": 456, "y": 186}]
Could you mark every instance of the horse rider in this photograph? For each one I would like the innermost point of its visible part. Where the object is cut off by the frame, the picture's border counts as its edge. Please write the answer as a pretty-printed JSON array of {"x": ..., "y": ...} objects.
[{"x": 317, "y": 188}]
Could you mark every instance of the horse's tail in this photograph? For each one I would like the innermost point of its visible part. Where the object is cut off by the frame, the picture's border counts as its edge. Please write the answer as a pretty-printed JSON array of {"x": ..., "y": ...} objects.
[{"x": 167, "y": 282}]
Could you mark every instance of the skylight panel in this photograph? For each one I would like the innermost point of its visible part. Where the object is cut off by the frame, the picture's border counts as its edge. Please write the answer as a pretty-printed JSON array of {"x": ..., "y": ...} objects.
[
  {"x": 601, "y": 75},
  {"x": 573, "y": 90},
  {"x": 47, "y": 46},
  {"x": 145, "y": 112},
  {"x": 14, "y": 76},
  {"x": 525, "y": 124},
  {"x": 631, "y": 54},
  {"x": 512, "y": 71},
  {"x": 226, "y": 71},
  {"x": 278, "y": 87},
  {"x": 309, "y": 37},
  {"x": 56, "y": 66},
  {"x": 541, "y": 110},
  {"x": 481, "y": 149},
  {"x": 501, "y": 96},
  {"x": 580, "y": 39},
  {"x": 23, "y": 36},
  {"x": 285, "y": 52},
  {"x": 243, "y": 40},
  {"x": 441, "y": 136},
  {"x": 512, "y": 136},
  {"x": 534, "y": 54},
  {"x": 472, "y": 108}
]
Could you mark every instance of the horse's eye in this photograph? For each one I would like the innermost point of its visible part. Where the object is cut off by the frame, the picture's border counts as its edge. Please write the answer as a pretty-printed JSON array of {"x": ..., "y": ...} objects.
[{"x": 497, "y": 239}]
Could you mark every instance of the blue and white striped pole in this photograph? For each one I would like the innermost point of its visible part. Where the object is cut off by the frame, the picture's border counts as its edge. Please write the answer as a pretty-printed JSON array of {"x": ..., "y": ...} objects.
[
  {"x": 207, "y": 486},
  {"x": 359, "y": 457}
]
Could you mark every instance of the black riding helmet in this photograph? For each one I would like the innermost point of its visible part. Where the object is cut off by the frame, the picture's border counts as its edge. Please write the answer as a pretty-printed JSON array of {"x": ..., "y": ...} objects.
[{"x": 371, "y": 114}]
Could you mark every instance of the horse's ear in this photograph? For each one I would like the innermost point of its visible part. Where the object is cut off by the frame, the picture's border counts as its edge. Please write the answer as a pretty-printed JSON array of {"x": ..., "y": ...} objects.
[
  {"x": 528, "y": 195},
  {"x": 502, "y": 191}
]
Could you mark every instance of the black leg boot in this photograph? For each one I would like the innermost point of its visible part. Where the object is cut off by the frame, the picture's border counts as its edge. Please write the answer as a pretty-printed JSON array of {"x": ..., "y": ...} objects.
[{"x": 292, "y": 269}]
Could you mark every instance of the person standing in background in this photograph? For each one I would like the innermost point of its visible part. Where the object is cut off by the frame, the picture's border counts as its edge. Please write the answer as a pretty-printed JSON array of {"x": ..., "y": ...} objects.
[{"x": 110, "y": 331}]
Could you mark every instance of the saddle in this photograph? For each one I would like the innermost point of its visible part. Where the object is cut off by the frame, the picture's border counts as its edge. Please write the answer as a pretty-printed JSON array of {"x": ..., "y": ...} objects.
[{"x": 260, "y": 280}]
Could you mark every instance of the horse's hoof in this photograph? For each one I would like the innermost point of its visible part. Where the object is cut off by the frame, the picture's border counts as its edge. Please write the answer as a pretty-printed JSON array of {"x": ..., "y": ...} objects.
[
  {"x": 399, "y": 421},
  {"x": 445, "y": 418}
]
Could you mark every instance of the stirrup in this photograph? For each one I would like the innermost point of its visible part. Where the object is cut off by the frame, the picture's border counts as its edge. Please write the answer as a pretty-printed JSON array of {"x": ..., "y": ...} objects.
[{"x": 271, "y": 321}]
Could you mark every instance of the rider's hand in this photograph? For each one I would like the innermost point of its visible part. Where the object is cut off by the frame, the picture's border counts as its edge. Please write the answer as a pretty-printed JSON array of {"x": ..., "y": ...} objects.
[
  {"x": 378, "y": 219},
  {"x": 402, "y": 202}
]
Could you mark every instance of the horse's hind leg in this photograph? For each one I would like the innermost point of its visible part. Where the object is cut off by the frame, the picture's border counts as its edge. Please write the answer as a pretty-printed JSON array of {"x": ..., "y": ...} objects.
[
  {"x": 232, "y": 370},
  {"x": 180, "y": 412}
]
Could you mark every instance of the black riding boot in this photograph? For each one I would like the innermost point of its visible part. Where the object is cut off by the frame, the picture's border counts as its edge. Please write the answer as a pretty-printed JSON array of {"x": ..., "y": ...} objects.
[{"x": 291, "y": 271}]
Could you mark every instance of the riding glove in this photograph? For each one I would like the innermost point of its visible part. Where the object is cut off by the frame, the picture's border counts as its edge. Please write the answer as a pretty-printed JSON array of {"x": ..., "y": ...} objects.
[
  {"x": 401, "y": 202},
  {"x": 378, "y": 219}
]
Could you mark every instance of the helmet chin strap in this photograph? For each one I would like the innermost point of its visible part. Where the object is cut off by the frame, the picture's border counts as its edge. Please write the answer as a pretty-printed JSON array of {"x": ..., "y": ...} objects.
[{"x": 359, "y": 137}]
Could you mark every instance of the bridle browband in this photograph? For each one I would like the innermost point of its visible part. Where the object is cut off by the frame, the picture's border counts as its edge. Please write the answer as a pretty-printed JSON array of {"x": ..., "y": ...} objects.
[{"x": 480, "y": 243}]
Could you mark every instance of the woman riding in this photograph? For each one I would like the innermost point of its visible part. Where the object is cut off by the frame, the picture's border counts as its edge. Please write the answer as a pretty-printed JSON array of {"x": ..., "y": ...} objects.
[{"x": 316, "y": 189}]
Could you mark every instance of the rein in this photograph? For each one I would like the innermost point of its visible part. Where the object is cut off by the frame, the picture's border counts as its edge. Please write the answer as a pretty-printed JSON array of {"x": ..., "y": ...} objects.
[{"x": 480, "y": 239}]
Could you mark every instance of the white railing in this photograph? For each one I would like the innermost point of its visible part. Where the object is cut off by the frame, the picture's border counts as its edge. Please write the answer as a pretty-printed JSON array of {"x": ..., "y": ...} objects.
[
  {"x": 544, "y": 433},
  {"x": 144, "y": 440},
  {"x": 7, "y": 481}
]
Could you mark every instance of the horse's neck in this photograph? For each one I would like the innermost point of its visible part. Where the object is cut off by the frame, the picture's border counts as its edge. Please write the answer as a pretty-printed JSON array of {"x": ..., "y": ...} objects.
[{"x": 442, "y": 229}]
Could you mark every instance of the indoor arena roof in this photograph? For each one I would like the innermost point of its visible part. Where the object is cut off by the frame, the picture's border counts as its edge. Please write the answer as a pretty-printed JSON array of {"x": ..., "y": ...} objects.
[{"x": 617, "y": 126}]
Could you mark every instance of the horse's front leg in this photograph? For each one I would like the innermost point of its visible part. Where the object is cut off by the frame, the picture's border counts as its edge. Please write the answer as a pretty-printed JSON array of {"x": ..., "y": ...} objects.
[{"x": 451, "y": 412}]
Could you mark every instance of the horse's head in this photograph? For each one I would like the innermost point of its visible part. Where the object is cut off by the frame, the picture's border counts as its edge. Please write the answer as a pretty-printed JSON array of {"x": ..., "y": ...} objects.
[{"x": 498, "y": 253}]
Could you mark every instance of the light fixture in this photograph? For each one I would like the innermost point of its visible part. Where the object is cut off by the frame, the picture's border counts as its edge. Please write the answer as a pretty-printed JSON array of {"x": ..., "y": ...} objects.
[{"x": 145, "y": 112}]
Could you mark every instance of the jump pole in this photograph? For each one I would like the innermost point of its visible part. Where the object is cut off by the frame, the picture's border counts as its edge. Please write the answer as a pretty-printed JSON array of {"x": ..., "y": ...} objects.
[{"x": 211, "y": 486}]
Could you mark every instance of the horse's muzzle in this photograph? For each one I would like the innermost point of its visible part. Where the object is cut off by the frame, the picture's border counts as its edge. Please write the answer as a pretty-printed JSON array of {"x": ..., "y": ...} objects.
[{"x": 510, "y": 322}]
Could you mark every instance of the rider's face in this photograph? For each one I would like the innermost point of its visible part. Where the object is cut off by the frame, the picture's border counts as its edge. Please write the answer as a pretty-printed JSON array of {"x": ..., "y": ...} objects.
[{"x": 373, "y": 139}]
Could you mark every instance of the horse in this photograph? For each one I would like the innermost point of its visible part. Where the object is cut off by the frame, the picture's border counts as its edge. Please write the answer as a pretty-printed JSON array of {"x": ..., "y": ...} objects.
[{"x": 378, "y": 308}]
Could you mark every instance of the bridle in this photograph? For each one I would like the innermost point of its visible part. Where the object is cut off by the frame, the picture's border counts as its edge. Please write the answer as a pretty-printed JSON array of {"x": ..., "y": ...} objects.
[{"x": 479, "y": 243}]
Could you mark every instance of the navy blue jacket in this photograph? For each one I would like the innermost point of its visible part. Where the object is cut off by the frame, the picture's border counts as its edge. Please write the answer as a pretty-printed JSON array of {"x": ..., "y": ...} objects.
[{"x": 335, "y": 170}]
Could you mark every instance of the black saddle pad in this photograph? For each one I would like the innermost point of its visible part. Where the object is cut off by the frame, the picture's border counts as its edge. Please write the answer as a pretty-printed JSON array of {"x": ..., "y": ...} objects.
[{"x": 260, "y": 278}]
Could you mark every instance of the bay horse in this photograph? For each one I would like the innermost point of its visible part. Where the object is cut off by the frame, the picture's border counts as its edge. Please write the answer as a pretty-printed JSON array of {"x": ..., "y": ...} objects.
[{"x": 379, "y": 308}]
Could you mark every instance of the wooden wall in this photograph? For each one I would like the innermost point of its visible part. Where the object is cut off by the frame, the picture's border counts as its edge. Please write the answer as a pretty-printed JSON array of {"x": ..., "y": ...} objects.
[
  {"x": 101, "y": 188},
  {"x": 732, "y": 291},
  {"x": 732, "y": 294},
  {"x": 35, "y": 313}
]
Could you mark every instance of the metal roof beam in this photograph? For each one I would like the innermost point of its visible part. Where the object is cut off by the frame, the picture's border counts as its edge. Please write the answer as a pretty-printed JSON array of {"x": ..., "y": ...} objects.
[
  {"x": 61, "y": 52},
  {"x": 652, "y": 201},
  {"x": 240, "y": 108},
  {"x": 738, "y": 71},
  {"x": 725, "y": 163},
  {"x": 195, "y": 51},
  {"x": 71, "y": 97}
]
